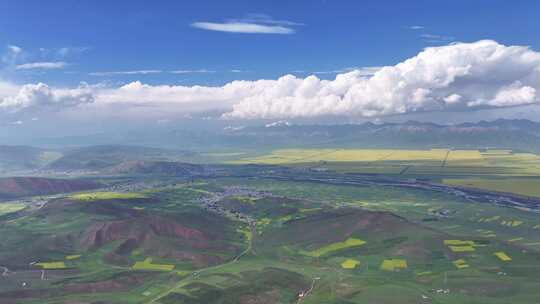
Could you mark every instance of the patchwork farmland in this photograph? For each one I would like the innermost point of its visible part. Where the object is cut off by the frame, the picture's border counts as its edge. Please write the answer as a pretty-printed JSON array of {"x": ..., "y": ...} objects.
[{"x": 273, "y": 239}]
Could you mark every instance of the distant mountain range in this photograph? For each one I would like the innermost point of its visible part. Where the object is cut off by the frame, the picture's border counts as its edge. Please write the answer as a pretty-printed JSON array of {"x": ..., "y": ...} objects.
[
  {"x": 178, "y": 146},
  {"x": 24, "y": 157},
  {"x": 104, "y": 156},
  {"x": 513, "y": 134},
  {"x": 502, "y": 133}
]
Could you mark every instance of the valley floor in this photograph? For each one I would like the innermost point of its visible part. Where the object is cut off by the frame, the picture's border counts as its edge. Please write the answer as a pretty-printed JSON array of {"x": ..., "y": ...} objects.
[{"x": 257, "y": 238}]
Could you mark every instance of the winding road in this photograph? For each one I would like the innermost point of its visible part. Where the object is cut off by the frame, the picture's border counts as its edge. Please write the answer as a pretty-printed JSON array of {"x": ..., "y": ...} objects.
[{"x": 307, "y": 292}]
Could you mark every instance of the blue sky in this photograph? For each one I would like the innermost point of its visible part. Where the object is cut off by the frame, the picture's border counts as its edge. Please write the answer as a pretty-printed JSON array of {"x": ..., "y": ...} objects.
[
  {"x": 84, "y": 64},
  {"x": 114, "y": 36}
]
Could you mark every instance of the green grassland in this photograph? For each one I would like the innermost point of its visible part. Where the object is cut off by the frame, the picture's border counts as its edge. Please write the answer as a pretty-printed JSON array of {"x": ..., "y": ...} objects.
[
  {"x": 6, "y": 208},
  {"x": 338, "y": 244},
  {"x": 522, "y": 186}
]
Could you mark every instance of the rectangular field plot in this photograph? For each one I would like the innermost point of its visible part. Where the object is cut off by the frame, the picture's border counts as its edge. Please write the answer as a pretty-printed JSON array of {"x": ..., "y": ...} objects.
[
  {"x": 458, "y": 249},
  {"x": 393, "y": 265},
  {"x": 460, "y": 264},
  {"x": 148, "y": 265},
  {"x": 458, "y": 243},
  {"x": 349, "y": 243},
  {"x": 502, "y": 256},
  {"x": 350, "y": 264},
  {"x": 459, "y": 246},
  {"x": 51, "y": 265}
]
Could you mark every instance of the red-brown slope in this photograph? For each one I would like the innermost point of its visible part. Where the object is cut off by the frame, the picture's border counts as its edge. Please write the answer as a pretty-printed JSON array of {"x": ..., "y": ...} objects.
[
  {"x": 156, "y": 236},
  {"x": 12, "y": 187},
  {"x": 101, "y": 233}
]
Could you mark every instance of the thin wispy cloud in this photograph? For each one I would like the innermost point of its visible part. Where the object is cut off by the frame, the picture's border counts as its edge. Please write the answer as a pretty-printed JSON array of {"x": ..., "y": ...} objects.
[
  {"x": 251, "y": 24},
  {"x": 192, "y": 71},
  {"x": 66, "y": 51},
  {"x": 243, "y": 28},
  {"x": 363, "y": 71},
  {"x": 433, "y": 38},
  {"x": 146, "y": 72},
  {"x": 9, "y": 57},
  {"x": 417, "y": 27},
  {"x": 136, "y": 72},
  {"x": 266, "y": 19},
  {"x": 44, "y": 65},
  {"x": 14, "y": 49}
]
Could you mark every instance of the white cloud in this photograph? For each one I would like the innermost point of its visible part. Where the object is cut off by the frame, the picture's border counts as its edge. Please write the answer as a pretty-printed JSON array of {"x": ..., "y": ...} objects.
[
  {"x": 66, "y": 51},
  {"x": 32, "y": 96},
  {"x": 416, "y": 27},
  {"x": 250, "y": 24},
  {"x": 7, "y": 89},
  {"x": 452, "y": 99},
  {"x": 14, "y": 49},
  {"x": 480, "y": 73},
  {"x": 362, "y": 71},
  {"x": 512, "y": 95},
  {"x": 437, "y": 39},
  {"x": 42, "y": 65},
  {"x": 242, "y": 27},
  {"x": 192, "y": 71},
  {"x": 460, "y": 76},
  {"x": 266, "y": 19},
  {"x": 114, "y": 73},
  {"x": 10, "y": 56}
]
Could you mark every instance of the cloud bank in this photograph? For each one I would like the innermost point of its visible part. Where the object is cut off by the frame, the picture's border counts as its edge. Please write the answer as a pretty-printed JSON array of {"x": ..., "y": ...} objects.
[{"x": 460, "y": 76}]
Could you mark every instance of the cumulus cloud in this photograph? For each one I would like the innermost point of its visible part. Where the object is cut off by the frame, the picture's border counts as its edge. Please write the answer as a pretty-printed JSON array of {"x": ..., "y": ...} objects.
[
  {"x": 512, "y": 95},
  {"x": 40, "y": 95},
  {"x": 459, "y": 76},
  {"x": 42, "y": 65},
  {"x": 7, "y": 89}
]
